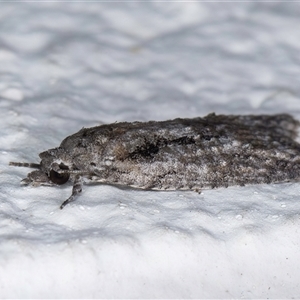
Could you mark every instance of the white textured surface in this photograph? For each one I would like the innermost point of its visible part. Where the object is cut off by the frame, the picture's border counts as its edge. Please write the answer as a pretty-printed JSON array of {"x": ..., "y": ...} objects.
[{"x": 68, "y": 65}]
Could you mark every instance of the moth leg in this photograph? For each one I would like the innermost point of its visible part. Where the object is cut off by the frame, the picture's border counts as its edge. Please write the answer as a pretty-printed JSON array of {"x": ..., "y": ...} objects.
[
  {"x": 197, "y": 190},
  {"x": 77, "y": 188}
]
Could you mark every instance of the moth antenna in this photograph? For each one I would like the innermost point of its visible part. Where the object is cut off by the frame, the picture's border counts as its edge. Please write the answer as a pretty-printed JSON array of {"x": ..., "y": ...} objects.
[
  {"x": 62, "y": 169},
  {"x": 78, "y": 172},
  {"x": 23, "y": 164}
]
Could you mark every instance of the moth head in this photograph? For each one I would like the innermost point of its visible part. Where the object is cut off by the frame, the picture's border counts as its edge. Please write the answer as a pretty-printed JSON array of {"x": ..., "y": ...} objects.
[
  {"x": 55, "y": 165},
  {"x": 54, "y": 168},
  {"x": 56, "y": 175}
]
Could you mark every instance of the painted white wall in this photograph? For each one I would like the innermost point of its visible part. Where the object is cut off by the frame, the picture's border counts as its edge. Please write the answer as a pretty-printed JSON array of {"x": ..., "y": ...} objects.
[{"x": 68, "y": 65}]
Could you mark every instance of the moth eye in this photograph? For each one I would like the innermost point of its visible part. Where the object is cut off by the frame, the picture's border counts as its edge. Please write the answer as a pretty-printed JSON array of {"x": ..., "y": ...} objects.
[{"x": 59, "y": 178}]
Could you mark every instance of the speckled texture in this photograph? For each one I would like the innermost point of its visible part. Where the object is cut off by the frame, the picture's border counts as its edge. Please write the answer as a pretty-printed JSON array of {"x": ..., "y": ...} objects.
[{"x": 214, "y": 151}]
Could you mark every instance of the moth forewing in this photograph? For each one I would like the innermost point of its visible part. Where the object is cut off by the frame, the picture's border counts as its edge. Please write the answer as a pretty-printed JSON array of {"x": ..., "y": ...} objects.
[{"x": 180, "y": 154}]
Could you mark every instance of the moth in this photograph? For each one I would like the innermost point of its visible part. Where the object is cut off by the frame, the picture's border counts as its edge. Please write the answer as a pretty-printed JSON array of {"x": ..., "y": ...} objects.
[{"x": 180, "y": 154}]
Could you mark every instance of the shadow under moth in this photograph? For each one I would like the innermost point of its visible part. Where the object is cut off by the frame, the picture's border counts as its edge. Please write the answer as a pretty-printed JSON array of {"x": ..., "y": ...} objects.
[{"x": 180, "y": 154}]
